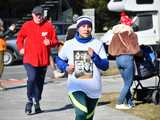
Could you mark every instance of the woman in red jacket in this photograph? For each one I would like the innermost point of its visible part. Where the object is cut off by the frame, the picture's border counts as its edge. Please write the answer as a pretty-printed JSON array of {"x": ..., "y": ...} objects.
[{"x": 34, "y": 41}]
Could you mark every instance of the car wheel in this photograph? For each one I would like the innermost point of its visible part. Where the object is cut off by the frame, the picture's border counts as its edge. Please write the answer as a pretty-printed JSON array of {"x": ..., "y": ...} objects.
[{"x": 8, "y": 57}]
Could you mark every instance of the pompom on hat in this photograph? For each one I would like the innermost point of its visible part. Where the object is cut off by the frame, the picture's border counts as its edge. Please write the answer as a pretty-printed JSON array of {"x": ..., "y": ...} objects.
[
  {"x": 82, "y": 20},
  {"x": 123, "y": 13},
  {"x": 125, "y": 19}
]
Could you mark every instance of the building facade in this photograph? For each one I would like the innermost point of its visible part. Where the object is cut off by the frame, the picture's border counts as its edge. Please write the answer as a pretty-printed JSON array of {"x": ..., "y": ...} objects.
[{"x": 16, "y": 11}]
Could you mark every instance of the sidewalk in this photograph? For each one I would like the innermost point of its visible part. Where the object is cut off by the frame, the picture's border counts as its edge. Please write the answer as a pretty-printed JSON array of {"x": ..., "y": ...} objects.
[{"x": 55, "y": 101}]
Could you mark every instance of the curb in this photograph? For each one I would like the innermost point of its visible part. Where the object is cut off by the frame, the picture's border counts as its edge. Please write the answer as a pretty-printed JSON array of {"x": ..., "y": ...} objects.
[{"x": 14, "y": 84}]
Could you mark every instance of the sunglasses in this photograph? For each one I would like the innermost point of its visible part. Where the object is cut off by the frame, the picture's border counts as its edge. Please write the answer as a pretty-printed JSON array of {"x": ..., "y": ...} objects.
[{"x": 38, "y": 14}]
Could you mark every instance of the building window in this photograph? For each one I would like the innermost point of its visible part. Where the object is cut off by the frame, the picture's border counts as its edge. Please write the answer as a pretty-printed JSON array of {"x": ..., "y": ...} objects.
[{"x": 144, "y": 1}]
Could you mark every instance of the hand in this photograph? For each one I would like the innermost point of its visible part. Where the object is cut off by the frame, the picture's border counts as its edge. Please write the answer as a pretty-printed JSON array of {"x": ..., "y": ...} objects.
[
  {"x": 21, "y": 51},
  {"x": 46, "y": 42},
  {"x": 90, "y": 51},
  {"x": 60, "y": 45},
  {"x": 12, "y": 27},
  {"x": 70, "y": 69}
]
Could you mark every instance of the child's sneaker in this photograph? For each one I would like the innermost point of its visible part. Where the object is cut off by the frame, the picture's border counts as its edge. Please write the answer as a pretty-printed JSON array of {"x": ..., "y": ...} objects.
[
  {"x": 123, "y": 106},
  {"x": 2, "y": 87},
  {"x": 58, "y": 74}
]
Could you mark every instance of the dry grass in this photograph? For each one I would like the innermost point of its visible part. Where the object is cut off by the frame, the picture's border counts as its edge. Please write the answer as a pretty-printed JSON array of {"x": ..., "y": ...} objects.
[
  {"x": 148, "y": 111},
  {"x": 111, "y": 71}
]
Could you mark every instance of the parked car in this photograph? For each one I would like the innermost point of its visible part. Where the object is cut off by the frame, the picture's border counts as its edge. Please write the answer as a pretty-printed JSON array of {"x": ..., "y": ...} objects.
[{"x": 11, "y": 55}]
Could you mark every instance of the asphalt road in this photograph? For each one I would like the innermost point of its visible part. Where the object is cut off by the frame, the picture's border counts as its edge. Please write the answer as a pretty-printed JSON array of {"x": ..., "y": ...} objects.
[
  {"x": 18, "y": 72},
  {"x": 55, "y": 102}
]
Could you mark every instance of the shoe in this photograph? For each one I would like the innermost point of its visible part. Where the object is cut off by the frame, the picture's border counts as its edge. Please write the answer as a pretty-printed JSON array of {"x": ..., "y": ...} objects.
[
  {"x": 28, "y": 108},
  {"x": 2, "y": 87},
  {"x": 123, "y": 106},
  {"x": 58, "y": 74},
  {"x": 37, "y": 108},
  {"x": 131, "y": 105}
]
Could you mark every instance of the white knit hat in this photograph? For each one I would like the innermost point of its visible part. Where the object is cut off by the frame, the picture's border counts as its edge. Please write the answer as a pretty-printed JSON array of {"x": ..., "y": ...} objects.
[{"x": 84, "y": 20}]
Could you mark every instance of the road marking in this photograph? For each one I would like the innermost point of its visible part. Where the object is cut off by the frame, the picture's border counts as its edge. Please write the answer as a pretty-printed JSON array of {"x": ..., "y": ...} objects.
[{"x": 6, "y": 83}]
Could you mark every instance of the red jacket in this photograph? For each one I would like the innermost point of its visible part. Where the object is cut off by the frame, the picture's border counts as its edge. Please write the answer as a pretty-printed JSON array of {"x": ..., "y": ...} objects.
[{"x": 31, "y": 37}]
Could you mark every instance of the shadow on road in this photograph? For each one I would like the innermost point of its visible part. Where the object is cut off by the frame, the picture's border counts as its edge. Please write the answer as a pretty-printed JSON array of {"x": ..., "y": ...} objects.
[{"x": 70, "y": 106}]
